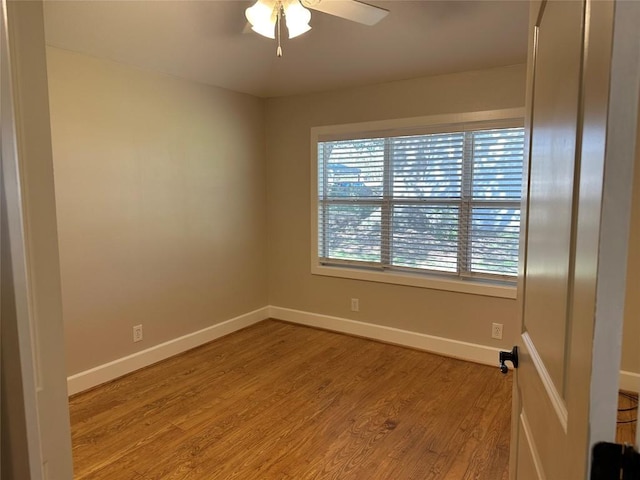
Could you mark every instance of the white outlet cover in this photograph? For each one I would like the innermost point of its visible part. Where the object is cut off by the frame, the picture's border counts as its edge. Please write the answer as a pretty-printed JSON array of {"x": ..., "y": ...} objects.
[
  {"x": 137, "y": 333},
  {"x": 496, "y": 331},
  {"x": 355, "y": 305}
]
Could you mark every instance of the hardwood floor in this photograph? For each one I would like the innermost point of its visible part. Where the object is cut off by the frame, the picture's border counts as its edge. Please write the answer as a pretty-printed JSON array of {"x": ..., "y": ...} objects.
[
  {"x": 627, "y": 418},
  {"x": 278, "y": 401}
]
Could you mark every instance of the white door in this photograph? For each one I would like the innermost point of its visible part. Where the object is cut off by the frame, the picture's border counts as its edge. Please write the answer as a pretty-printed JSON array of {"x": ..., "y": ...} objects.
[
  {"x": 35, "y": 420},
  {"x": 582, "y": 79}
]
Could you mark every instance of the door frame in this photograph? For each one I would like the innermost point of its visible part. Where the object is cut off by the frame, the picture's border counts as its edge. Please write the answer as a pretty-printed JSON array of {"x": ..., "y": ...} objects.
[
  {"x": 21, "y": 446},
  {"x": 620, "y": 156},
  {"x": 39, "y": 441},
  {"x": 601, "y": 254}
]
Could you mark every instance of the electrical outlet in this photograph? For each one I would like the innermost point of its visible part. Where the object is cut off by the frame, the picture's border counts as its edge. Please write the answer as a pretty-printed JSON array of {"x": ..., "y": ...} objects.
[
  {"x": 355, "y": 305},
  {"x": 137, "y": 333},
  {"x": 496, "y": 331}
]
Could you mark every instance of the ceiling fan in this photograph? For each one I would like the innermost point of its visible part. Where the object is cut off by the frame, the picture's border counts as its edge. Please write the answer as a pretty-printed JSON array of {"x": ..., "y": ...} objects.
[{"x": 265, "y": 16}]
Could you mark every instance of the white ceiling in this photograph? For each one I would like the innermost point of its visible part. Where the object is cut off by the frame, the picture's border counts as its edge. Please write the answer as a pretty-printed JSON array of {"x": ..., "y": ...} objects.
[{"x": 204, "y": 41}]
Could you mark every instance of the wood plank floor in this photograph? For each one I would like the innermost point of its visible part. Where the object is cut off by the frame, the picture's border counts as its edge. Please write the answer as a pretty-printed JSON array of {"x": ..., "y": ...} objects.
[
  {"x": 627, "y": 418},
  {"x": 278, "y": 401}
]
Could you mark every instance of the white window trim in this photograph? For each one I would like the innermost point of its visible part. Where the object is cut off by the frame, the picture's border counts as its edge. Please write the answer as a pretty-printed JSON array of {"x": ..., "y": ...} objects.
[{"x": 428, "y": 124}]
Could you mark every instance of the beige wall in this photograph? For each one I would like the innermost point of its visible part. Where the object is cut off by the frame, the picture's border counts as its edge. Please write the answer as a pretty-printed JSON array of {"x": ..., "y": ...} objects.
[
  {"x": 289, "y": 119},
  {"x": 161, "y": 187},
  {"x": 631, "y": 338},
  {"x": 161, "y": 195}
]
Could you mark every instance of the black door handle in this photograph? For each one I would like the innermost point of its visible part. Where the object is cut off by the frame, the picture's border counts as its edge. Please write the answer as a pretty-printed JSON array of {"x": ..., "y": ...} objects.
[{"x": 511, "y": 356}]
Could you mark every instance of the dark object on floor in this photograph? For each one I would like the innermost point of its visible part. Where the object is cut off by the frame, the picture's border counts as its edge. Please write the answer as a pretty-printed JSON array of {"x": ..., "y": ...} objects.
[{"x": 613, "y": 461}]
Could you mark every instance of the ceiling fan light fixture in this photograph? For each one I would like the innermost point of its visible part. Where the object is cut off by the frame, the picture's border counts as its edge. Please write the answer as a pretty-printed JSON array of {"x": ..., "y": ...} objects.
[
  {"x": 297, "y": 18},
  {"x": 266, "y": 30},
  {"x": 262, "y": 16}
]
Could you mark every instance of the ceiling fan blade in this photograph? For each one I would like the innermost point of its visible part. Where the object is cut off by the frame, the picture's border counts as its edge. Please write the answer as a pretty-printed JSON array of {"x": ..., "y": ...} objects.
[{"x": 350, "y": 9}]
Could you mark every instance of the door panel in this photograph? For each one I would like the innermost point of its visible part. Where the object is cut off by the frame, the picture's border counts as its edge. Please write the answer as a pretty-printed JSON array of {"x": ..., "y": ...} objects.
[
  {"x": 545, "y": 417},
  {"x": 528, "y": 458},
  {"x": 553, "y": 128},
  {"x": 553, "y": 148}
]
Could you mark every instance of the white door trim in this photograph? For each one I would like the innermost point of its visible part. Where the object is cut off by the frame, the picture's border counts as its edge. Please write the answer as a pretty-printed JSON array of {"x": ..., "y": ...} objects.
[
  {"x": 22, "y": 423},
  {"x": 29, "y": 190},
  {"x": 556, "y": 399},
  {"x": 533, "y": 450},
  {"x": 615, "y": 220}
]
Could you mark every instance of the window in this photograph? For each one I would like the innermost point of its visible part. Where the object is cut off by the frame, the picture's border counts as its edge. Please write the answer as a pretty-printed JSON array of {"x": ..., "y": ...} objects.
[{"x": 444, "y": 203}]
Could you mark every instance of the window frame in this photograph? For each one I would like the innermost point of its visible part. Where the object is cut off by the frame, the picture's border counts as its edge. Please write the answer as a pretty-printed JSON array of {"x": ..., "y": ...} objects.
[{"x": 475, "y": 284}]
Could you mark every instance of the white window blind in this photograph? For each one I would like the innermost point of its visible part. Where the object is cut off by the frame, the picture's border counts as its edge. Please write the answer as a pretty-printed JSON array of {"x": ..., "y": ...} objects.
[{"x": 444, "y": 202}]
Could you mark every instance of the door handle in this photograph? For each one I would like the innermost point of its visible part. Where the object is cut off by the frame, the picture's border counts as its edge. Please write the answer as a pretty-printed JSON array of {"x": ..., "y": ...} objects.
[{"x": 511, "y": 356}]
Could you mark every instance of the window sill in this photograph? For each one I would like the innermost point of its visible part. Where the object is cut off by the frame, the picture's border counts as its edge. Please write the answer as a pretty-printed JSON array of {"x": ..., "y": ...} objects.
[{"x": 470, "y": 286}]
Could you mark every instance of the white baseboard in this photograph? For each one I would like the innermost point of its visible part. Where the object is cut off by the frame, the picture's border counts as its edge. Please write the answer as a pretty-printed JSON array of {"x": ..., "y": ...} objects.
[
  {"x": 117, "y": 368},
  {"x": 629, "y": 381},
  {"x": 471, "y": 352},
  {"x": 443, "y": 346}
]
